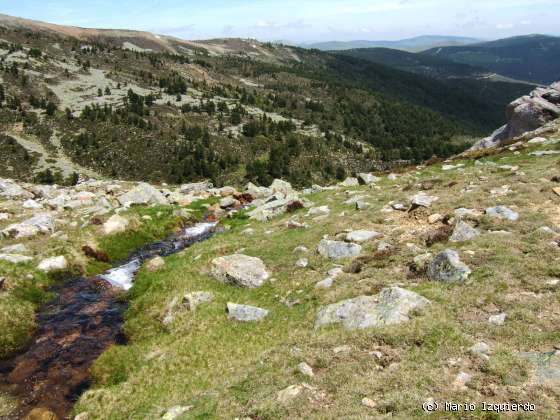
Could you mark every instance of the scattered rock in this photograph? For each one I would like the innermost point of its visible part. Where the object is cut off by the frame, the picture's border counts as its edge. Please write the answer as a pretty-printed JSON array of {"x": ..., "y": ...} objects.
[
  {"x": 53, "y": 264},
  {"x": 369, "y": 403},
  {"x": 142, "y": 194},
  {"x": 176, "y": 412},
  {"x": 15, "y": 258},
  {"x": 362, "y": 205},
  {"x": 461, "y": 380},
  {"x": 192, "y": 300},
  {"x": 302, "y": 263},
  {"x": 434, "y": 218},
  {"x": 392, "y": 306},
  {"x": 502, "y": 212},
  {"x": 361, "y": 236},
  {"x": 228, "y": 202},
  {"x": 195, "y": 187},
  {"x": 305, "y": 369},
  {"x": 336, "y": 250},
  {"x": 115, "y": 224},
  {"x": 481, "y": 350},
  {"x": 241, "y": 270},
  {"x": 245, "y": 313},
  {"x": 319, "y": 211},
  {"x": 367, "y": 178},
  {"x": 399, "y": 207},
  {"x": 447, "y": 267},
  {"x": 31, "y": 204},
  {"x": 498, "y": 319},
  {"x": 350, "y": 182},
  {"x": 463, "y": 232},
  {"x": 324, "y": 284}
]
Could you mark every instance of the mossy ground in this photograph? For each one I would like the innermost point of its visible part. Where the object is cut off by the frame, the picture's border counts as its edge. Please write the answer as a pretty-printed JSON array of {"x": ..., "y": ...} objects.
[{"x": 226, "y": 369}]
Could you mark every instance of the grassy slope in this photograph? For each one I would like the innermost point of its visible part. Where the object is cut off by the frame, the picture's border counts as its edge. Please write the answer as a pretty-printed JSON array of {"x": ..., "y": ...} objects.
[{"x": 226, "y": 369}]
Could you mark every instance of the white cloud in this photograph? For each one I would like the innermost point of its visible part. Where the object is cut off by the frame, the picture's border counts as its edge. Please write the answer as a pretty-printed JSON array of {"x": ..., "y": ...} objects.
[{"x": 504, "y": 26}]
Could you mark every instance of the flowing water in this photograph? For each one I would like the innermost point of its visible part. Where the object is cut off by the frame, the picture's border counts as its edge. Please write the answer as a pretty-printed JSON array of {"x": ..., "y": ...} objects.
[{"x": 76, "y": 327}]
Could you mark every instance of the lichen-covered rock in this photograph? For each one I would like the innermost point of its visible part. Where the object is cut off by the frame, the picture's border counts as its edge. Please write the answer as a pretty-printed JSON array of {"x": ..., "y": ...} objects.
[
  {"x": 502, "y": 212},
  {"x": 337, "y": 250},
  {"x": 350, "y": 182},
  {"x": 367, "y": 178},
  {"x": 447, "y": 267},
  {"x": 245, "y": 313},
  {"x": 463, "y": 232},
  {"x": 240, "y": 270},
  {"x": 391, "y": 306}
]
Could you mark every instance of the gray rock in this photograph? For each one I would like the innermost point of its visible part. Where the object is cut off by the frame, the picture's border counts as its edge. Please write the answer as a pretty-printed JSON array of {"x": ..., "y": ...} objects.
[
  {"x": 384, "y": 246},
  {"x": 498, "y": 319},
  {"x": 502, "y": 212},
  {"x": 53, "y": 264},
  {"x": 32, "y": 204},
  {"x": 541, "y": 153},
  {"x": 176, "y": 412},
  {"x": 350, "y": 182},
  {"x": 15, "y": 258},
  {"x": 228, "y": 202},
  {"x": 362, "y": 205},
  {"x": 302, "y": 263},
  {"x": 399, "y": 207},
  {"x": 9, "y": 189},
  {"x": 367, "y": 178},
  {"x": 447, "y": 267},
  {"x": 481, "y": 350},
  {"x": 463, "y": 232},
  {"x": 319, "y": 211},
  {"x": 546, "y": 367},
  {"x": 360, "y": 236},
  {"x": 422, "y": 200},
  {"x": 142, "y": 194},
  {"x": 269, "y": 210},
  {"x": 305, "y": 369},
  {"x": 14, "y": 249},
  {"x": 41, "y": 223},
  {"x": 195, "y": 187},
  {"x": 257, "y": 192},
  {"x": 245, "y": 313},
  {"x": 324, "y": 284},
  {"x": 282, "y": 187},
  {"x": 336, "y": 250},
  {"x": 392, "y": 306},
  {"x": 192, "y": 300},
  {"x": 525, "y": 114},
  {"x": 240, "y": 270}
]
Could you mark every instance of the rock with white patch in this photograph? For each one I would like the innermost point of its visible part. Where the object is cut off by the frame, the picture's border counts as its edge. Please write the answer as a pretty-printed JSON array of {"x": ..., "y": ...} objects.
[
  {"x": 245, "y": 313},
  {"x": 337, "y": 250},
  {"x": 240, "y": 270}
]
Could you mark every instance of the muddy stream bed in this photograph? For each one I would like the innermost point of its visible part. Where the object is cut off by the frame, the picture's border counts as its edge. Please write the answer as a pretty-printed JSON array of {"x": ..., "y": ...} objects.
[{"x": 77, "y": 326}]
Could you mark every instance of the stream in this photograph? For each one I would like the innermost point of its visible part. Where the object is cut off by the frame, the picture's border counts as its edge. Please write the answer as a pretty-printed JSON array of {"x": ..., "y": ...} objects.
[{"x": 77, "y": 326}]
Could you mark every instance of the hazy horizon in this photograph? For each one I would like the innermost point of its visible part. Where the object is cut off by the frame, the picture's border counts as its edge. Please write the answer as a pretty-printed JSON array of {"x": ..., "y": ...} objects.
[{"x": 303, "y": 21}]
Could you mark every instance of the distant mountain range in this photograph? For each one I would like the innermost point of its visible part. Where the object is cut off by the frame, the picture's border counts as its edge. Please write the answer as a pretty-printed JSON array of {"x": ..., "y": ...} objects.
[
  {"x": 534, "y": 58},
  {"x": 415, "y": 44}
]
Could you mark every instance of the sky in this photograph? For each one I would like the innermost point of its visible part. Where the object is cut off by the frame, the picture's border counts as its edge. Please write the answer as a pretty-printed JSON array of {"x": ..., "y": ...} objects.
[{"x": 301, "y": 21}]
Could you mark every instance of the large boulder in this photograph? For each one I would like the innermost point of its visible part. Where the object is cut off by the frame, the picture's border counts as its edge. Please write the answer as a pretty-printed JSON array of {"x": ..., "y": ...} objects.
[
  {"x": 447, "y": 267},
  {"x": 336, "y": 250},
  {"x": 526, "y": 114},
  {"x": 142, "y": 194},
  {"x": 257, "y": 192},
  {"x": 245, "y": 313},
  {"x": 392, "y": 306},
  {"x": 240, "y": 270}
]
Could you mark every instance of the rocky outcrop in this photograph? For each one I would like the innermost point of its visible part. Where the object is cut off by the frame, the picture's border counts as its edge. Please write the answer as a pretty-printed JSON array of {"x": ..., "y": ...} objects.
[
  {"x": 392, "y": 306},
  {"x": 526, "y": 114},
  {"x": 143, "y": 194}
]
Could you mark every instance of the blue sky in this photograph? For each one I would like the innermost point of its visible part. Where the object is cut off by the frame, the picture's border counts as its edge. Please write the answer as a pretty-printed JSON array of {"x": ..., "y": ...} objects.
[{"x": 302, "y": 20}]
